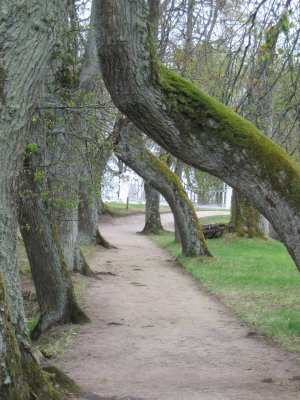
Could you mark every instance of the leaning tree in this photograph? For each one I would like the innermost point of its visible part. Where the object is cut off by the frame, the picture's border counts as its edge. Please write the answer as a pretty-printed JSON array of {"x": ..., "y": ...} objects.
[{"x": 192, "y": 125}]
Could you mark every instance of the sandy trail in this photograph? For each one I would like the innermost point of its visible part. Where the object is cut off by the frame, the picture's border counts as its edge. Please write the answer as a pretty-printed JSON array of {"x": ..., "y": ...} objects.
[{"x": 157, "y": 335}]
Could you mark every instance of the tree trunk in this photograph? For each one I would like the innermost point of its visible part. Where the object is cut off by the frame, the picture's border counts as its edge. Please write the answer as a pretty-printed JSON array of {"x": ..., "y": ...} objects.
[
  {"x": 12, "y": 380},
  {"x": 130, "y": 149},
  {"x": 90, "y": 201},
  {"x": 50, "y": 275},
  {"x": 88, "y": 214},
  {"x": 152, "y": 215},
  {"x": 245, "y": 219},
  {"x": 192, "y": 125},
  {"x": 28, "y": 32},
  {"x": 63, "y": 181},
  {"x": 178, "y": 171}
]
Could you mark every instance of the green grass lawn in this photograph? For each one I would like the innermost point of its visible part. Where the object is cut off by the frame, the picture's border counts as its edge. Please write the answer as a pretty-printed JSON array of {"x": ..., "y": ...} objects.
[
  {"x": 120, "y": 210},
  {"x": 257, "y": 279},
  {"x": 215, "y": 219}
]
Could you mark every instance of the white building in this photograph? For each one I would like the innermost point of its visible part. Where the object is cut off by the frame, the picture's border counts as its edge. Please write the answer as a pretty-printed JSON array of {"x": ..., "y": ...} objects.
[{"x": 128, "y": 185}]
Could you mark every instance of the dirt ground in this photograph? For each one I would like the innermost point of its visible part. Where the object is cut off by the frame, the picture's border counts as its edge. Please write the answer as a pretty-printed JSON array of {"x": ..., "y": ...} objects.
[{"x": 156, "y": 334}]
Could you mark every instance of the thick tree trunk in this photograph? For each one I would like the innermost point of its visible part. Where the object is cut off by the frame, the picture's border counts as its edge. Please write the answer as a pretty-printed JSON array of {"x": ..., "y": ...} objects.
[
  {"x": 178, "y": 171},
  {"x": 90, "y": 201},
  {"x": 67, "y": 222},
  {"x": 12, "y": 379},
  {"x": 130, "y": 149},
  {"x": 88, "y": 214},
  {"x": 152, "y": 216},
  {"x": 192, "y": 125},
  {"x": 28, "y": 32},
  {"x": 50, "y": 275},
  {"x": 245, "y": 219},
  {"x": 63, "y": 184}
]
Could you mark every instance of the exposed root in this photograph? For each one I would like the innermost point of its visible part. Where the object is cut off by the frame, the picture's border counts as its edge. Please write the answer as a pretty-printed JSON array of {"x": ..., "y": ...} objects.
[
  {"x": 101, "y": 241},
  {"x": 61, "y": 380},
  {"x": 86, "y": 269}
]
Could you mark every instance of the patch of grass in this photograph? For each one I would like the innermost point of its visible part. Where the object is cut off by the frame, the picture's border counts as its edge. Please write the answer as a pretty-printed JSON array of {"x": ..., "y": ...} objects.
[
  {"x": 256, "y": 278},
  {"x": 215, "y": 219},
  {"x": 54, "y": 342},
  {"x": 119, "y": 209}
]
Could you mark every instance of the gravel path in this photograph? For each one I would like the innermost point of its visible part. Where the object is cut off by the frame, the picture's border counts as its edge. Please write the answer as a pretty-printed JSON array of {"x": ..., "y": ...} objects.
[{"x": 157, "y": 335}]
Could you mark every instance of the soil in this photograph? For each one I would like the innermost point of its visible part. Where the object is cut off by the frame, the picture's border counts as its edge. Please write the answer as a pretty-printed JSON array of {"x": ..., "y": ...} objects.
[{"x": 156, "y": 334}]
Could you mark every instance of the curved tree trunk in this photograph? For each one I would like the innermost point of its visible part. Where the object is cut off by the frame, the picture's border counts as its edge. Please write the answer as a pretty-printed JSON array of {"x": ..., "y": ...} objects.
[
  {"x": 50, "y": 275},
  {"x": 152, "y": 214},
  {"x": 192, "y": 125},
  {"x": 130, "y": 149}
]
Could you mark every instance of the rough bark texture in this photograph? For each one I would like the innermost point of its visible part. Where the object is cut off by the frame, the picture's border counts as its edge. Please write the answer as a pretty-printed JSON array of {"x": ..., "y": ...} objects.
[
  {"x": 245, "y": 219},
  {"x": 90, "y": 202},
  {"x": 88, "y": 214},
  {"x": 192, "y": 125},
  {"x": 21, "y": 378},
  {"x": 50, "y": 275},
  {"x": 28, "y": 32},
  {"x": 178, "y": 171},
  {"x": 152, "y": 216},
  {"x": 130, "y": 148}
]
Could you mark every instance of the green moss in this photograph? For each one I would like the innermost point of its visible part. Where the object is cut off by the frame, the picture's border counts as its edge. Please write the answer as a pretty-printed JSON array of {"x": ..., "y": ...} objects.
[
  {"x": 174, "y": 181},
  {"x": 245, "y": 218},
  {"x": 62, "y": 381},
  {"x": 41, "y": 386},
  {"x": 209, "y": 119}
]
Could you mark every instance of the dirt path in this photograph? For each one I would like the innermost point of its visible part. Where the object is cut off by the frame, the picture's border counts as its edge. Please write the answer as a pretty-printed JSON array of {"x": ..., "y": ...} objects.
[{"x": 157, "y": 335}]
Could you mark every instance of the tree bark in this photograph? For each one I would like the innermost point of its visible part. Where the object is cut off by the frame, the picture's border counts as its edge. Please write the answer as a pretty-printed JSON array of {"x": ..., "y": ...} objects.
[
  {"x": 245, "y": 219},
  {"x": 28, "y": 32},
  {"x": 90, "y": 202},
  {"x": 192, "y": 125},
  {"x": 52, "y": 281},
  {"x": 88, "y": 213},
  {"x": 178, "y": 171},
  {"x": 130, "y": 149},
  {"x": 152, "y": 216}
]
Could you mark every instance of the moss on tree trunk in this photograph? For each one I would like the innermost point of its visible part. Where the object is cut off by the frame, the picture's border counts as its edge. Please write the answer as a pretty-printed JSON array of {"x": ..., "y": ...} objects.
[
  {"x": 245, "y": 219},
  {"x": 192, "y": 125},
  {"x": 130, "y": 148}
]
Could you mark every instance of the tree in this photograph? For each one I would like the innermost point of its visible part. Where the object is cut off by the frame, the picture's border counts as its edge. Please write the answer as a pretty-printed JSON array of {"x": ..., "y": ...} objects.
[
  {"x": 131, "y": 150},
  {"x": 52, "y": 281},
  {"x": 152, "y": 215},
  {"x": 192, "y": 125},
  {"x": 28, "y": 32}
]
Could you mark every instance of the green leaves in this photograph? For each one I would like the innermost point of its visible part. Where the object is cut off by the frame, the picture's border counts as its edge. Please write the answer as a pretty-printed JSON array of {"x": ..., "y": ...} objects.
[{"x": 31, "y": 147}]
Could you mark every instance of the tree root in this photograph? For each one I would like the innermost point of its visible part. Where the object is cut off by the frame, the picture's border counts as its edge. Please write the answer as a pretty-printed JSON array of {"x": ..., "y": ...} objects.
[
  {"x": 101, "y": 241},
  {"x": 86, "y": 270}
]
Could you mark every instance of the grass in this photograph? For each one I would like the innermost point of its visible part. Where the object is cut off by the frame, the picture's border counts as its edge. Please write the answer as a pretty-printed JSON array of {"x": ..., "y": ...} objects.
[
  {"x": 215, "y": 219},
  {"x": 119, "y": 209},
  {"x": 257, "y": 279}
]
